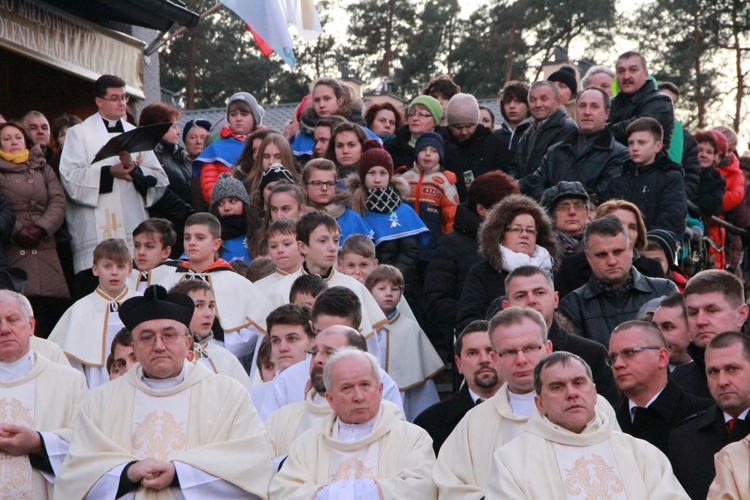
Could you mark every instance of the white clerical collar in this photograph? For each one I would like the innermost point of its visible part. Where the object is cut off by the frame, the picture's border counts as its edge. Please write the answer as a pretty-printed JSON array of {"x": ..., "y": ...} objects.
[
  {"x": 632, "y": 406},
  {"x": 742, "y": 416},
  {"x": 165, "y": 383},
  {"x": 319, "y": 400},
  {"x": 521, "y": 404},
  {"x": 110, "y": 123},
  {"x": 14, "y": 370},
  {"x": 354, "y": 432}
]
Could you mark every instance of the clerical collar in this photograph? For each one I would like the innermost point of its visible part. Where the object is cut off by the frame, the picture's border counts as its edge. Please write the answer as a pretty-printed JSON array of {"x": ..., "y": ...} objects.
[
  {"x": 164, "y": 384},
  {"x": 632, "y": 406},
  {"x": 325, "y": 276},
  {"x": 113, "y": 126},
  {"x": 14, "y": 370},
  {"x": 521, "y": 404},
  {"x": 741, "y": 416},
  {"x": 319, "y": 399},
  {"x": 354, "y": 432}
]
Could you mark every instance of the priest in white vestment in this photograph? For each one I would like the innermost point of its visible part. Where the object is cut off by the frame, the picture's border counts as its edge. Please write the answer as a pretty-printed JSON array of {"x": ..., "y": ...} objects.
[
  {"x": 363, "y": 450},
  {"x": 167, "y": 428},
  {"x": 39, "y": 400},
  {"x": 732, "y": 481},
  {"x": 108, "y": 198},
  {"x": 570, "y": 449}
]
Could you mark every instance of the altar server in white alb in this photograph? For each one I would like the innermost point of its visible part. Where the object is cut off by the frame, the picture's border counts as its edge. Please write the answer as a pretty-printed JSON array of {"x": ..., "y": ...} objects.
[
  {"x": 106, "y": 199},
  {"x": 86, "y": 330},
  {"x": 38, "y": 402},
  {"x": 168, "y": 427},
  {"x": 570, "y": 449},
  {"x": 363, "y": 450}
]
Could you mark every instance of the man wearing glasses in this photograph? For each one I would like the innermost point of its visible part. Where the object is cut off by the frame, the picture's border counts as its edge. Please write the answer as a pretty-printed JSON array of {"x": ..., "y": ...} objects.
[
  {"x": 106, "y": 199},
  {"x": 653, "y": 404},
  {"x": 168, "y": 426}
]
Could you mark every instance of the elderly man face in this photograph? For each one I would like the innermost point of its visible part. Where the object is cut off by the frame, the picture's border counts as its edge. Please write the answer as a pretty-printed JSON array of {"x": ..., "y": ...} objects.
[
  {"x": 15, "y": 331},
  {"x": 355, "y": 392},
  {"x": 568, "y": 395},
  {"x": 591, "y": 111},
  {"x": 38, "y": 128},
  {"x": 161, "y": 347},
  {"x": 571, "y": 215},
  {"x": 542, "y": 102}
]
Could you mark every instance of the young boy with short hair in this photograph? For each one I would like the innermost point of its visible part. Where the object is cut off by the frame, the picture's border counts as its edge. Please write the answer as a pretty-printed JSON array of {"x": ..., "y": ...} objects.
[
  {"x": 651, "y": 180},
  {"x": 357, "y": 257},
  {"x": 305, "y": 289},
  {"x": 281, "y": 238},
  {"x": 235, "y": 296},
  {"x": 405, "y": 351},
  {"x": 153, "y": 240},
  {"x": 208, "y": 349},
  {"x": 87, "y": 328}
]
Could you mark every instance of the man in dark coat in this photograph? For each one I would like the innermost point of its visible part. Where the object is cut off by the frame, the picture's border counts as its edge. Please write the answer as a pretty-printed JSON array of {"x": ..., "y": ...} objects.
[
  {"x": 551, "y": 125},
  {"x": 590, "y": 155},
  {"x": 473, "y": 361},
  {"x": 638, "y": 97},
  {"x": 616, "y": 290},
  {"x": 529, "y": 286},
  {"x": 455, "y": 255},
  {"x": 652, "y": 405},
  {"x": 694, "y": 442}
]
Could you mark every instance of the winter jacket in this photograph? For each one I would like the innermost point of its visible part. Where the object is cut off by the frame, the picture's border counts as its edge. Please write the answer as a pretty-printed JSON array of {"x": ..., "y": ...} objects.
[
  {"x": 454, "y": 256},
  {"x": 173, "y": 158},
  {"x": 37, "y": 198},
  {"x": 594, "y": 314},
  {"x": 219, "y": 157},
  {"x": 690, "y": 163},
  {"x": 479, "y": 154},
  {"x": 536, "y": 141},
  {"x": 509, "y": 140},
  {"x": 646, "y": 101},
  {"x": 735, "y": 188},
  {"x": 434, "y": 198},
  {"x": 593, "y": 165},
  {"x": 7, "y": 220},
  {"x": 657, "y": 189},
  {"x": 709, "y": 194}
]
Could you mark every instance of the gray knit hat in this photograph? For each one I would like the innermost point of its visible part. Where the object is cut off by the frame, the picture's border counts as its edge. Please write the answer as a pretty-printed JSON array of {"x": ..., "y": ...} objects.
[
  {"x": 462, "y": 109},
  {"x": 255, "y": 108},
  {"x": 229, "y": 187}
]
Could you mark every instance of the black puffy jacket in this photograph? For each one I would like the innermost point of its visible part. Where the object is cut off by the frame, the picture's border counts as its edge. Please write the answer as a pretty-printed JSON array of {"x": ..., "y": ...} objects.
[
  {"x": 646, "y": 101},
  {"x": 535, "y": 142},
  {"x": 480, "y": 153}
]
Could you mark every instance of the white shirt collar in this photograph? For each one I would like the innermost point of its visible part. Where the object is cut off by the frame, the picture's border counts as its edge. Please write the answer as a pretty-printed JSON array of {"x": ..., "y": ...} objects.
[
  {"x": 354, "y": 432},
  {"x": 743, "y": 415},
  {"x": 14, "y": 370},
  {"x": 632, "y": 406},
  {"x": 475, "y": 396}
]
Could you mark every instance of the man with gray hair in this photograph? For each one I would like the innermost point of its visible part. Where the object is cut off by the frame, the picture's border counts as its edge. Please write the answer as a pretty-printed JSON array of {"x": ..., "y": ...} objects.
[
  {"x": 363, "y": 449},
  {"x": 590, "y": 155},
  {"x": 616, "y": 290},
  {"x": 38, "y": 400},
  {"x": 551, "y": 125},
  {"x": 600, "y": 77},
  {"x": 572, "y": 448},
  {"x": 38, "y": 128}
]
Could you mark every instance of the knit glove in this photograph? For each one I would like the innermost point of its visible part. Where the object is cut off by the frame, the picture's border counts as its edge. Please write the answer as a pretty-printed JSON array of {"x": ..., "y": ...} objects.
[{"x": 30, "y": 236}]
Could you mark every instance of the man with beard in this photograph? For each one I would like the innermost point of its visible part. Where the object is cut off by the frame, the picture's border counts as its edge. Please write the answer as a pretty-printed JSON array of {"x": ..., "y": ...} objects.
[{"x": 474, "y": 361}]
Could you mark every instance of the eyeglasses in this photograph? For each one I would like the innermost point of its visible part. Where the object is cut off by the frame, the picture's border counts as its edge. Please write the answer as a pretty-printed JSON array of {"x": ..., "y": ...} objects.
[
  {"x": 320, "y": 184},
  {"x": 565, "y": 206},
  {"x": 628, "y": 354},
  {"x": 116, "y": 98},
  {"x": 167, "y": 338},
  {"x": 326, "y": 352},
  {"x": 421, "y": 116},
  {"x": 519, "y": 229},
  {"x": 512, "y": 353}
]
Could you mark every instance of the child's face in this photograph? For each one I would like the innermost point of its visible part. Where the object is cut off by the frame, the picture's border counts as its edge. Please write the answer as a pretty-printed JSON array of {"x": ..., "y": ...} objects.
[
  {"x": 271, "y": 155},
  {"x": 357, "y": 266},
  {"x": 428, "y": 158},
  {"x": 643, "y": 147},
  {"x": 321, "y": 252},
  {"x": 204, "y": 313},
  {"x": 200, "y": 245},
  {"x": 241, "y": 122},
  {"x": 112, "y": 275},
  {"x": 284, "y": 252},
  {"x": 387, "y": 295},
  {"x": 660, "y": 256},
  {"x": 267, "y": 371},
  {"x": 377, "y": 177},
  {"x": 285, "y": 206},
  {"x": 148, "y": 251},
  {"x": 288, "y": 345},
  {"x": 304, "y": 299},
  {"x": 230, "y": 206}
]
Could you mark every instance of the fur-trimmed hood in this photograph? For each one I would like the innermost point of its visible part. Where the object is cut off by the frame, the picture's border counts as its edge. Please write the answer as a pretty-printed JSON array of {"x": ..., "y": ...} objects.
[{"x": 492, "y": 229}]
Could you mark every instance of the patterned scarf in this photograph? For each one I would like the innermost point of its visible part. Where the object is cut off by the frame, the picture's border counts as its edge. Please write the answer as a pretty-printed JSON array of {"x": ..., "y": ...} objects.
[
  {"x": 382, "y": 200},
  {"x": 615, "y": 293},
  {"x": 569, "y": 245}
]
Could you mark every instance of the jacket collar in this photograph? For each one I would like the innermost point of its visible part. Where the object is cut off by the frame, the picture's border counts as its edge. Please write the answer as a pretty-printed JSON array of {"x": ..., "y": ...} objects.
[{"x": 639, "y": 284}]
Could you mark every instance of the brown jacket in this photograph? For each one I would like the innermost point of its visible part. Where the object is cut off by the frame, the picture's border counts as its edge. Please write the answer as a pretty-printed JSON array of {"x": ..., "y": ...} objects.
[{"x": 37, "y": 197}]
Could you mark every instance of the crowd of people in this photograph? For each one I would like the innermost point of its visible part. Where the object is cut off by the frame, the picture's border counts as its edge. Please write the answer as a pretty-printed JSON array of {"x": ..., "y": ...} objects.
[{"x": 243, "y": 312}]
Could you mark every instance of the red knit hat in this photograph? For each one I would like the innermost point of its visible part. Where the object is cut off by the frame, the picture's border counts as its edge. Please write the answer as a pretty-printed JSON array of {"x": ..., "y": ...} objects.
[
  {"x": 373, "y": 155},
  {"x": 722, "y": 142}
]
